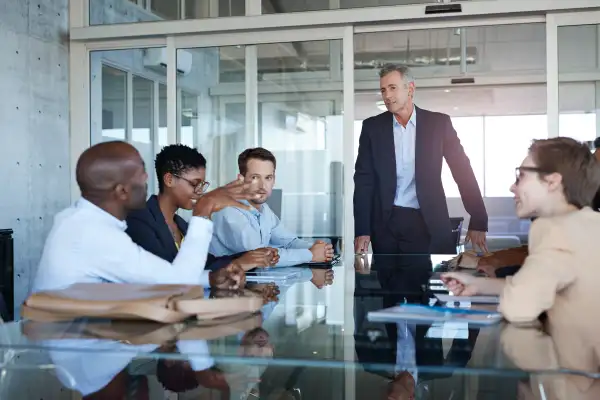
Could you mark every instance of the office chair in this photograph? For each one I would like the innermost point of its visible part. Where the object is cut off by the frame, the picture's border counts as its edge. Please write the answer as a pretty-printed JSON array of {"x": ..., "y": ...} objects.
[{"x": 456, "y": 224}]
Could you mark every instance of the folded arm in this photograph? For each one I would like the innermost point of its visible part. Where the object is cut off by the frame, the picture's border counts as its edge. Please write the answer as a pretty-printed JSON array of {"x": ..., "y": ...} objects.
[
  {"x": 126, "y": 262},
  {"x": 546, "y": 271}
]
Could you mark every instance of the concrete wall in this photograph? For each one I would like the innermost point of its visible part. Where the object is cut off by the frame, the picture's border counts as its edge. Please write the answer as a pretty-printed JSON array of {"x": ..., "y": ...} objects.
[{"x": 34, "y": 127}]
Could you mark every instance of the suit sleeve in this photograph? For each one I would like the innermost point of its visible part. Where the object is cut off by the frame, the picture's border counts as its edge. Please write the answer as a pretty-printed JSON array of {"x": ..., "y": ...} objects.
[
  {"x": 547, "y": 270},
  {"x": 463, "y": 175},
  {"x": 364, "y": 179},
  {"x": 143, "y": 234}
]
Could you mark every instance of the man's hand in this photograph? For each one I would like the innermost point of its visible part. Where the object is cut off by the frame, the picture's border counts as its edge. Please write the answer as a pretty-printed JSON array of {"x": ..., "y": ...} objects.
[
  {"x": 224, "y": 196},
  {"x": 361, "y": 244},
  {"x": 268, "y": 291},
  {"x": 321, "y": 251},
  {"x": 259, "y": 258},
  {"x": 477, "y": 238},
  {"x": 232, "y": 277},
  {"x": 322, "y": 277}
]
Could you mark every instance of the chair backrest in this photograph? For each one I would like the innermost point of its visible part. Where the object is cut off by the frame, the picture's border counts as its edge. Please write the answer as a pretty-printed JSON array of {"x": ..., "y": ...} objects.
[
  {"x": 275, "y": 202},
  {"x": 456, "y": 224}
]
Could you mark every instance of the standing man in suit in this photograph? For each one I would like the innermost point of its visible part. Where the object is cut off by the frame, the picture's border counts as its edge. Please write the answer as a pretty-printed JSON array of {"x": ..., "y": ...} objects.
[{"x": 399, "y": 201}]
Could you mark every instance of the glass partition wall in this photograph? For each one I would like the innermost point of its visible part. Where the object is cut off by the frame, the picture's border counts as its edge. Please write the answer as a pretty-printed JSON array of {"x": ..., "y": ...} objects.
[
  {"x": 301, "y": 86},
  {"x": 302, "y": 93}
]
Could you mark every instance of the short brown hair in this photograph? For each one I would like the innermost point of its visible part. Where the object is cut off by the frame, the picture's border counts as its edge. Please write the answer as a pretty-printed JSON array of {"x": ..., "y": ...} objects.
[
  {"x": 257, "y": 153},
  {"x": 576, "y": 164}
]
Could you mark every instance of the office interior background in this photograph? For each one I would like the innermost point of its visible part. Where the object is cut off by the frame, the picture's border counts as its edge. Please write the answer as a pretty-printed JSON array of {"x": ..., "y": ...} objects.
[{"x": 295, "y": 76}]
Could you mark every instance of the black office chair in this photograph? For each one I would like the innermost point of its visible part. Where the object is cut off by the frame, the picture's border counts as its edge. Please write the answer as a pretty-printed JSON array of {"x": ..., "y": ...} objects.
[{"x": 456, "y": 224}]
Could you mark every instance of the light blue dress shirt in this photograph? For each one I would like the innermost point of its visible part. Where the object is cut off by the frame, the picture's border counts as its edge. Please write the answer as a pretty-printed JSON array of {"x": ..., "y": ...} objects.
[
  {"x": 236, "y": 230},
  {"x": 406, "y": 355},
  {"x": 404, "y": 146}
]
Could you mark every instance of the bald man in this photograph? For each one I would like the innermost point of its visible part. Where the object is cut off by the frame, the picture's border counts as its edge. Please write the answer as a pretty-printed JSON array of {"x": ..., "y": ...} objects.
[{"x": 88, "y": 242}]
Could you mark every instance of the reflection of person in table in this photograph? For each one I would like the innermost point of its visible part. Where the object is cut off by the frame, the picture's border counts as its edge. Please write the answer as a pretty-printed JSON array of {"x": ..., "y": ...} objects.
[
  {"x": 556, "y": 182},
  {"x": 228, "y": 378},
  {"x": 531, "y": 349},
  {"x": 102, "y": 372}
]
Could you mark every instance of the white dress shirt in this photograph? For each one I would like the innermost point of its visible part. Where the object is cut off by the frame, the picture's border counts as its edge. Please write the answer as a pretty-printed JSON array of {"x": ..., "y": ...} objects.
[
  {"x": 104, "y": 359},
  {"x": 87, "y": 245}
]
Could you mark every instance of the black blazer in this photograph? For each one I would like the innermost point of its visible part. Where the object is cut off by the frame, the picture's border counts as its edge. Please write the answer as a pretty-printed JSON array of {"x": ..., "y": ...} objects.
[
  {"x": 375, "y": 176},
  {"x": 147, "y": 227}
]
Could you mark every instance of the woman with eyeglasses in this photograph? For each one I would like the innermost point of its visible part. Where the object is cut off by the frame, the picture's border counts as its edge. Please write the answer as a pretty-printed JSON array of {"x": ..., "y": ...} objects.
[
  {"x": 181, "y": 173},
  {"x": 555, "y": 183}
]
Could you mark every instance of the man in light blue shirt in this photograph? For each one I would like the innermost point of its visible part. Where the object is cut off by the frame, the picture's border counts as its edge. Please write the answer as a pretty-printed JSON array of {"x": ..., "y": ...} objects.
[{"x": 237, "y": 230}]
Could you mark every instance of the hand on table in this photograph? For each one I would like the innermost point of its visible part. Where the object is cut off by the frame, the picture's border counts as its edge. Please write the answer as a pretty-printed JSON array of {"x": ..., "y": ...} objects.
[
  {"x": 268, "y": 291},
  {"x": 322, "y": 277},
  {"x": 321, "y": 251},
  {"x": 231, "y": 277},
  {"x": 361, "y": 244},
  {"x": 461, "y": 284},
  {"x": 259, "y": 258},
  {"x": 477, "y": 238}
]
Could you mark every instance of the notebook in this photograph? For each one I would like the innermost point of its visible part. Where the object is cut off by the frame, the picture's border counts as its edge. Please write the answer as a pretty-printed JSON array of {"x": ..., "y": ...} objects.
[{"x": 424, "y": 313}]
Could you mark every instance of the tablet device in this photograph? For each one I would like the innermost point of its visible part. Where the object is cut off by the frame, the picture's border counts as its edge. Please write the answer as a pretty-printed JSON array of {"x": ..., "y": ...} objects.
[
  {"x": 446, "y": 298},
  {"x": 426, "y": 314}
]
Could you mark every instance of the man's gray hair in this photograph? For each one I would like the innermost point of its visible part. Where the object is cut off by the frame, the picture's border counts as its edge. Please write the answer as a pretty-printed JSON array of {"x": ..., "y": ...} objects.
[{"x": 404, "y": 71}]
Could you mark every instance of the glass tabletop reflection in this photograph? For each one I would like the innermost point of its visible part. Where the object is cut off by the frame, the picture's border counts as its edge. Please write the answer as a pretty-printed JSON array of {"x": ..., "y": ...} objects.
[{"x": 311, "y": 339}]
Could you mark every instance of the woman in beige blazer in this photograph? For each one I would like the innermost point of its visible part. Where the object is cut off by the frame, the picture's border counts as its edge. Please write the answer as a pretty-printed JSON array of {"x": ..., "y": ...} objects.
[{"x": 556, "y": 182}]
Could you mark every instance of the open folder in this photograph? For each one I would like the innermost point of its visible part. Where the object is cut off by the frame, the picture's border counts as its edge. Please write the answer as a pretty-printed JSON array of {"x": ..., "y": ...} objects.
[{"x": 424, "y": 313}]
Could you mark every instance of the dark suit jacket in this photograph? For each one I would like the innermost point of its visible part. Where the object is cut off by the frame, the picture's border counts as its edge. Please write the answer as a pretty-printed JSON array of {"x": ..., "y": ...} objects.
[
  {"x": 375, "y": 176},
  {"x": 148, "y": 229}
]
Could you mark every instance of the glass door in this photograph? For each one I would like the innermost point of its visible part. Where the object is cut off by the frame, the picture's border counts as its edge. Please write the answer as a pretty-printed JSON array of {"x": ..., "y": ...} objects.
[{"x": 574, "y": 75}]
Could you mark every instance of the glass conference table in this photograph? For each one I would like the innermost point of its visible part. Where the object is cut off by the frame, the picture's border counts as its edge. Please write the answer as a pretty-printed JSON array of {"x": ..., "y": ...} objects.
[{"x": 311, "y": 341}]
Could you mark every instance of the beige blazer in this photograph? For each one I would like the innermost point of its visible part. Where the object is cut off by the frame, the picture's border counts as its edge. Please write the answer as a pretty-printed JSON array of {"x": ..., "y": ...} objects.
[
  {"x": 561, "y": 276},
  {"x": 534, "y": 351}
]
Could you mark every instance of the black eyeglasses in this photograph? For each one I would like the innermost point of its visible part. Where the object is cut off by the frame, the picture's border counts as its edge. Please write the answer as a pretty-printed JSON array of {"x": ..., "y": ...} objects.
[
  {"x": 199, "y": 188},
  {"x": 519, "y": 172}
]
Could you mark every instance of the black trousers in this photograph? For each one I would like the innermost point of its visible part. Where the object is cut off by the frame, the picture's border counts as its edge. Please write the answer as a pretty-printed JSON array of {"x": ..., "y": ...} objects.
[{"x": 404, "y": 233}]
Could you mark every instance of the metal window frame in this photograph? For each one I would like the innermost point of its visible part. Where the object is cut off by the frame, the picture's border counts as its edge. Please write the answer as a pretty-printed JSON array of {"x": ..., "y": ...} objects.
[
  {"x": 554, "y": 77},
  {"x": 355, "y": 17}
]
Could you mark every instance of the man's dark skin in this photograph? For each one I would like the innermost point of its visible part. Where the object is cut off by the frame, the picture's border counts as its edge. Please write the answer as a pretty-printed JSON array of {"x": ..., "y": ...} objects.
[{"x": 113, "y": 177}]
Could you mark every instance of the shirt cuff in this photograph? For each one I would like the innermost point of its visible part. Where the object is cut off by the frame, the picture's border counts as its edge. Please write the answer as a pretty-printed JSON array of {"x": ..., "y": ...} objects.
[
  {"x": 200, "y": 225},
  {"x": 205, "y": 279}
]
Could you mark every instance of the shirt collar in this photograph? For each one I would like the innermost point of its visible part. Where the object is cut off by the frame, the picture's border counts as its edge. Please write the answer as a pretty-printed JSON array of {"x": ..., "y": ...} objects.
[
  {"x": 412, "y": 120},
  {"x": 87, "y": 205},
  {"x": 253, "y": 210}
]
